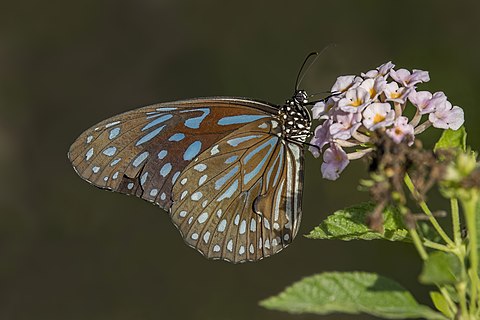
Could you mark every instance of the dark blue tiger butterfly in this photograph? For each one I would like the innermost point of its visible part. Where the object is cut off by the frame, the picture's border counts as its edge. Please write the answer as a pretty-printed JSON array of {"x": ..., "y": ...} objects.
[{"x": 228, "y": 170}]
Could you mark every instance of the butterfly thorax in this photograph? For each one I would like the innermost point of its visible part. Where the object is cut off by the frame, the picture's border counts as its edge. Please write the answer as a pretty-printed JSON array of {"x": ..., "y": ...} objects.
[{"x": 295, "y": 117}]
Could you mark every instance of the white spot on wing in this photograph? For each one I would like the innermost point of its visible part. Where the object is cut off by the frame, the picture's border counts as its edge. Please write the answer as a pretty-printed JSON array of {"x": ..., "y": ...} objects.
[
  {"x": 230, "y": 245},
  {"x": 89, "y": 154},
  {"x": 196, "y": 196},
  {"x": 203, "y": 217},
  {"x": 206, "y": 236},
  {"x": 214, "y": 150},
  {"x": 200, "y": 167},
  {"x": 222, "y": 225},
  {"x": 243, "y": 227},
  {"x": 216, "y": 248}
]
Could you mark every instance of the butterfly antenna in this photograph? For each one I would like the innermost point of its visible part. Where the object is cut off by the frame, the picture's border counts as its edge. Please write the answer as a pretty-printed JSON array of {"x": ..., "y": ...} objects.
[
  {"x": 304, "y": 68},
  {"x": 301, "y": 72}
]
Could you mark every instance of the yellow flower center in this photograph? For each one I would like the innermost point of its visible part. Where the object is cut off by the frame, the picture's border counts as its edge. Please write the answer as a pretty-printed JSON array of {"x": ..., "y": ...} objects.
[
  {"x": 372, "y": 92},
  {"x": 356, "y": 103},
  {"x": 398, "y": 131},
  {"x": 378, "y": 118},
  {"x": 395, "y": 95}
]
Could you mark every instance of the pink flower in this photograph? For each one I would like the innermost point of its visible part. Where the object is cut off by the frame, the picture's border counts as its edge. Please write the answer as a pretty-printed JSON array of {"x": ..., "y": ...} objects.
[
  {"x": 345, "y": 124},
  {"x": 401, "y": 130},
  {"x": 355, "y": 100},
  {"x": 381, "y": 71},
  {"x": 320, "y": 138},
  {"x": 345, "y": 83},
  {"x": 321, "y": 108},
  {"x": 404, "y": 77},
  {"x": 447, "y": 117},
  {"x": 395, "y": 93},
  {"x": 334, "y": 162},
  {"x": 425, "y": 101},
  {"x": 374, "y": 86},
  {"x": 378, "y": 115}
]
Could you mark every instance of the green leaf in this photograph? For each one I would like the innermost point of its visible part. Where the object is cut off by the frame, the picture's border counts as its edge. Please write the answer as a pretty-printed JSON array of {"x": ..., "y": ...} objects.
[
  {"x": 452, "y": 139},
  {"x": 477, "y": 223},
  {"x": 441, "y": 268},
  {"x": 350, "y": 224},
  {"x": 441, "y": 304},
  {"x": 351, "y": 293}
]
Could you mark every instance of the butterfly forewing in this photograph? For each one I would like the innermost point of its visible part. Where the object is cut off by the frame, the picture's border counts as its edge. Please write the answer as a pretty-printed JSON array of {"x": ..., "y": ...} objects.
[
  {"x": 241, "y": 199},
  {"x": 222, "y": 167},
  {"x": 142, "y": 152}
]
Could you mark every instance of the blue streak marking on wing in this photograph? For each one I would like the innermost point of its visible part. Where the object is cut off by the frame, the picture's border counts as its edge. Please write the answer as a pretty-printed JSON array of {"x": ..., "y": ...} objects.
[
  {"x": 220, "y": 182},
  {"x": 194, "y": 123},
  {"x": 236, "y": 141},
  {"x": 157, "y": 121},
  {"x": 140, "y": 159},
  {"x": 231, "y": 159},
  {"x": 177, "y": 137},
  {"x": 192, "y": 151},
  {"x": 167, "y": 167},
  {"x": 246, "y": 118},
  {"x": 149, "y": 136},
  {"x": 269, "y": 174},
  {"x": 280, "y": 167},
  {"x": 229, "y": 192},
  {"x": 271, "y": 143}
]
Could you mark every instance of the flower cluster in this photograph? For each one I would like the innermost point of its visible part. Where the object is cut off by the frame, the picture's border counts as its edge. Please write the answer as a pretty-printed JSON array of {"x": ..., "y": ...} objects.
[{"x": 376, "y": 100}]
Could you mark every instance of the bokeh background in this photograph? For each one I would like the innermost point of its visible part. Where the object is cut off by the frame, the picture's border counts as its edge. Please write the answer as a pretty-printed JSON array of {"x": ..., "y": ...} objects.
[{"x": 71, "y": 251}]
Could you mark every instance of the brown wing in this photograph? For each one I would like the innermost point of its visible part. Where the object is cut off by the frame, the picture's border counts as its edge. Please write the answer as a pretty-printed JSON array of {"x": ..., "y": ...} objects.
[
  {"x": 142, "y": 152},
  {"x": 241, "y": 199}
]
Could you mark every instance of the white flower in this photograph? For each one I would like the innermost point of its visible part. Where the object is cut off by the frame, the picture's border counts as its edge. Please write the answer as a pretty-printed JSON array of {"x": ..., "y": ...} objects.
[
  {"x": 401, "y": 130},
  {"x": 395, "y": 93},
  {"x": 345, "y": 83},
  {"x": 334, "y": 162},
  {"x": 320, "y": 138},
  {"x": 425, "y": 101},
  {"x": 374, "y": 86},
  {"x": 404, "y": 77},
  {"x": 355, "y": 100},
  {"x": 381, "y": 71},
  {"x": 321, "y": 108},
  {"x": 345, "y": 124},
  {"x": 378, "y": 115},
  {"x": 447, "y": 117}
]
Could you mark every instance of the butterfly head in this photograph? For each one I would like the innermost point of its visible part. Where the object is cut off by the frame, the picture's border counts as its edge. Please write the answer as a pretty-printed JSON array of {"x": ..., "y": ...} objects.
[{"x": 295, "y": 117}]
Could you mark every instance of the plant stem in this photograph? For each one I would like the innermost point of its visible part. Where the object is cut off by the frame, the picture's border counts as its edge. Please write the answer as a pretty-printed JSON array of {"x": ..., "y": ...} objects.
[
  {"x": 457, "y": 234},
  {"x": 446, "y": 295},
  {"x": 430, "y": 244},
  {"x": 427, "y": 211},
  {"x": 469, "y": 204},
  {"x": 418, "y": 244}
]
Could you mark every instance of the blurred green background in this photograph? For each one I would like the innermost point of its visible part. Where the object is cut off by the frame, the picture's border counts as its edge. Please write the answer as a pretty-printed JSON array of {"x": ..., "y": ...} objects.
[{"x": 71, "y": 251}]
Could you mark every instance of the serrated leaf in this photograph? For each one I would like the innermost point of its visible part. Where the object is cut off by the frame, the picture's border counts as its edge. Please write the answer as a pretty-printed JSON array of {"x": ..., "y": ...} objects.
[
  {"x": 350, "y": 224},
  {"x": 452, "y": 139},
  {"x": 353, "y": 293},
  {"x": 441, "y": 304},
  {"x": 440, "y": 268}
]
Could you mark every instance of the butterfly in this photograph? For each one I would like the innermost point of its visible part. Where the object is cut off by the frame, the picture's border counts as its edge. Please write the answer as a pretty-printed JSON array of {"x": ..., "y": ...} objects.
[{"x": 228, "y": 170}]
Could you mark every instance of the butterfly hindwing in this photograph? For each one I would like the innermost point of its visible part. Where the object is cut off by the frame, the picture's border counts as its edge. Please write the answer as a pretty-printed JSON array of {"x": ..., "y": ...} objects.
[
  {"x": 143, "y": 152},
  {"x": 241, "y": 199}
]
